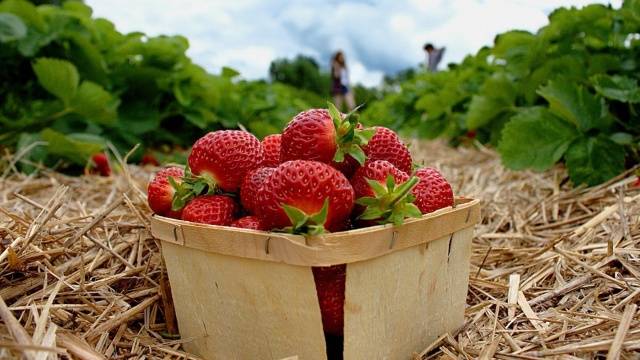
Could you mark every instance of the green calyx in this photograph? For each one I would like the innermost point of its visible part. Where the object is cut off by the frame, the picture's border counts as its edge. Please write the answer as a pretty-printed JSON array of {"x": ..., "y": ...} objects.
[
  {"x": 306, "y": 224},
  {"x": 349, "y": 138},
  {"x": 390, "y": 204},
  {"x": 189, "y": 187}
]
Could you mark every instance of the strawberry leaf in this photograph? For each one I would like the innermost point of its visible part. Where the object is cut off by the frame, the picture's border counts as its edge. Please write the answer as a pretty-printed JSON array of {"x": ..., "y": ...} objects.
[
  {"x": 321, "y": 216},
  {"x": 358, "y": 154},
  {"x": 377, "y": 188},
  {"x": 391, "y": 204},
  {"x": 391, "y": 183},
  {"x": 298, "y": 217},
  {"x": 302, "y": 223},
  {"x": 349, "y": 138}
]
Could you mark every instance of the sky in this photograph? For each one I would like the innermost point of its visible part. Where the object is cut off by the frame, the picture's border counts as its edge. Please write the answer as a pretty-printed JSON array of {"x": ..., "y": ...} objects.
[{"x": 378, "y": 36}]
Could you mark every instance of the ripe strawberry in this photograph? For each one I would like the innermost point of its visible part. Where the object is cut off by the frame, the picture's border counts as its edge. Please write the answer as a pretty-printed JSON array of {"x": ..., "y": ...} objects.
[
  {"x": 330, "y": 285},
  {"x": 310, "y": 196},
  {"x": 223, "y": 158},
  {"x": 386, "y": 145},
  {"x": 251, "y": 186},
  {"x": 149, "y": 159},
  {"x": 100, "y": 164},
  {"x": 249, "y": 222},
  {"x": 210, "y": 209},
  {"x": 271, "y": 149},
  {"x": 323, "y": 135},
  {"x": 160, "y": 192},
  {"x": 433, "y": 192},
  {"x": 383, "y": 194}
]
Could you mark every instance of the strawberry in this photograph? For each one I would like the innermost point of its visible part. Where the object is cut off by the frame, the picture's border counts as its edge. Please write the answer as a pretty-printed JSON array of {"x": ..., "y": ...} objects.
[
  {"x": 149, "y": 159},
  {"x": 222, "y": 158},
  {"x": 271, "y": 148},
  {"x": 100, "y": 164},
  {"x": 433, "y": 192},
  {"x": 251, "y": 186},
  {"x": 383, "y": 194},
  {"x": 323, "y": 135},
  {"x": 330, "y": 285},
  {"x": 386, "y": 145},
  {"x": 210, "y": 209},
  {"x": 307, "y": 196},
  {"x": 249, "y": 222},
  {"x": 160, "y": 192}
]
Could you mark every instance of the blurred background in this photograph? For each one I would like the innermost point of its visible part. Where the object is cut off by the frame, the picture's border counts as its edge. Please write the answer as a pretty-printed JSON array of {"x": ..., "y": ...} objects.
[{"x": 81, "y": 77}]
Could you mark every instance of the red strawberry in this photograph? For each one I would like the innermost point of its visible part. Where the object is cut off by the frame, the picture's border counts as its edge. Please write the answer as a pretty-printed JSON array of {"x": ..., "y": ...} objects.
[
  {"x": 224, "y": 157},
  {"x": 249, "y": 222},
  {"x": 311, "y": 135},
  {"x": 386, "y": 145},
  {"x": 160, "y": 192},
  {"x": 433, "y": 192},
  {"x": 375, "y": 170},
  {"x": 330, "y": 285},
  {"x": 314, "y": 194},
  {"x": 251, "y": 186},
  {"x": 149, "y": 159},
  {"x": 210, "y": 209},
  {"x": 271, "y": 148},
  {"x": 100, "y": 164},
  {"x": 323, "y": 135}
]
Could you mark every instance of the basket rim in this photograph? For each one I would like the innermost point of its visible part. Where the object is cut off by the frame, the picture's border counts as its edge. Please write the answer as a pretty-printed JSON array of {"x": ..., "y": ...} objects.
[{"x": 321, "y": 250}]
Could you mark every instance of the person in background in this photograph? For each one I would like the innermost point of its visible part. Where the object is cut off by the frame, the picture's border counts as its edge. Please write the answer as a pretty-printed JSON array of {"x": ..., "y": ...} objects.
[
  {"x": 340, "y": 89},
  {"x": 433, "y": 56}
]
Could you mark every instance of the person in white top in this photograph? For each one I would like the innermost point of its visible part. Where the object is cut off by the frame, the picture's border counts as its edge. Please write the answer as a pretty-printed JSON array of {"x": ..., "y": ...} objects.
[
  {"x": 340, "y": 89},
  {"x": 433, "y": 57}
]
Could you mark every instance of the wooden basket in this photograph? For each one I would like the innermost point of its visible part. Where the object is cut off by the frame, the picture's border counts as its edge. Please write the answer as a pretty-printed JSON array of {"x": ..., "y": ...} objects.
[{"x": 244, "y": 294}]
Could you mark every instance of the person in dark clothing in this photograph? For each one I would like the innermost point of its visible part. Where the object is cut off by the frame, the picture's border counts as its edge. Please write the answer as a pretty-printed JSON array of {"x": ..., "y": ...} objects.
[
  {"x": 340, "y": 89},
  {"x": 434, "y": 56}
]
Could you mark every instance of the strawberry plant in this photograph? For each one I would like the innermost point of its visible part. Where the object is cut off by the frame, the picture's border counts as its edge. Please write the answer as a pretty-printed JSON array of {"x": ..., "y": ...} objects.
[
  {"x": 71, "y": 83},
  {"x": 567, "y": 93}
]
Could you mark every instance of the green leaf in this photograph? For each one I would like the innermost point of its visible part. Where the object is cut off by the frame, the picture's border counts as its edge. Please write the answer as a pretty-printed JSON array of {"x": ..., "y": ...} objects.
[
  {"x": 496, "y": 96},
  {"x": 77, "y": 7},
  {"x": 576, "y": 105},
  {"x": 11, "y": 28},
  {"x": 59, "y": 77},
  {"x": 228, "y": 72},
  {"x": 594, "y": 160},
  {"x": 298, "y": 217},
  {"x": 320, "y": 217},
  {"x": 377, "y": 188},
  {"x": 77, "y": 151},
  {"x": 95, "y": 103},
  {"x": 535, "y": 139},
  {"x": 391, "y": 183},
  {"x": 26, "y": 11},
  {"x": 335, "y": 114},
  {"x": 358, "y": 154},
  {"x": 620, "y": 88},
  {"x": 622, "y": 138},
  {"x": 366, "y": 201}
]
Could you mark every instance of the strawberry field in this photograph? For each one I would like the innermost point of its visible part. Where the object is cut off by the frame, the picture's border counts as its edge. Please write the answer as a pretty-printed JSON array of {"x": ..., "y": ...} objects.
[{"x": 108, "y": 139}]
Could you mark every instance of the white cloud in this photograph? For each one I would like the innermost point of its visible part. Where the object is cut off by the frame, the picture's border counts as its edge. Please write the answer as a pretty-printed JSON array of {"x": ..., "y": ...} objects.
[{"x": 378, "y": 36}]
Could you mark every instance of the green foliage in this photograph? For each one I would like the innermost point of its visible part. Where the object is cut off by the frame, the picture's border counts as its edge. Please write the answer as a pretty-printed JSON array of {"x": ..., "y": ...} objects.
[
  {"x": 302, "y": 72},
  {"x": 65, "y": 73},
  {"x": 567, "y": 93}
]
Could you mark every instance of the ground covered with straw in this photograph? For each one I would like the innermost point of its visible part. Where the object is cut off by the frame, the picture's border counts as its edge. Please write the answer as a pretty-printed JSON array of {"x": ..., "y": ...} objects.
[{"x": 555, "y": 270}]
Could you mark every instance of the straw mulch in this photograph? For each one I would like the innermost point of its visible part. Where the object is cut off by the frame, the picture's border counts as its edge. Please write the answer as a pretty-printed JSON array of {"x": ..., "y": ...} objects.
[{"x": 555, "y": 271}]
